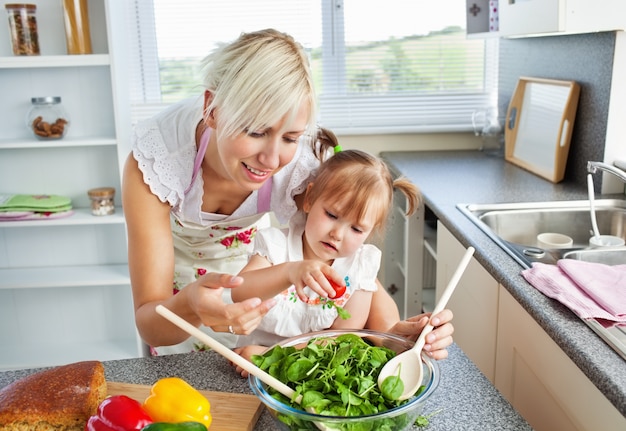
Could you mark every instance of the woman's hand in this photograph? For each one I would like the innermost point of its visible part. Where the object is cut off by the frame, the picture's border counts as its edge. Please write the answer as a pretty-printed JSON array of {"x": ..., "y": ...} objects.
[
  {"x": 205, "y": 299},
  {"x": 437, "y": 341}
]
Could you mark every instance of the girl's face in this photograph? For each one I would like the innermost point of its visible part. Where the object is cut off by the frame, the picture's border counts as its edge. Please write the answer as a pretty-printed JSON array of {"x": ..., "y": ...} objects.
[
  {"x": 252, "y": 156},
  {"x": 329, "y": 234}
]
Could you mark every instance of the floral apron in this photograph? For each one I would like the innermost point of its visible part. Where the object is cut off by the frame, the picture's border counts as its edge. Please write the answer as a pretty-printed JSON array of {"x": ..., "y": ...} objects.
[{"x": 220, "y": 247}]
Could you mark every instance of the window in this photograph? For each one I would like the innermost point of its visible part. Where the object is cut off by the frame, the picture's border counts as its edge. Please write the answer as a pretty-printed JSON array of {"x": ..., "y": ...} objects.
[{"x": 379, "y": 67}]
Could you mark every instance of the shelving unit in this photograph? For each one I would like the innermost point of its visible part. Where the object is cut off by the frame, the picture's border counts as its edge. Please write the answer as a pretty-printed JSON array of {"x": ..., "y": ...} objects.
[
  {"x": 429, "y": 276},
  {"x": 64, "y": 283},
  {"x": 409, "y": 258}
]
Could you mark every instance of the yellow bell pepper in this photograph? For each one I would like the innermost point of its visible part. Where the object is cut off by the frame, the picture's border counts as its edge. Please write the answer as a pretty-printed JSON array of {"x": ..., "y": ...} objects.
[{"x": 174, "y": 400}]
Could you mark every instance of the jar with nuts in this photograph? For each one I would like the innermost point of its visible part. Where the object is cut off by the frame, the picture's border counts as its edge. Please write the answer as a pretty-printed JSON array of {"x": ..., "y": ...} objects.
[
  {"x": 47, "y": 118},
  {"x": 23, "y": 28}
]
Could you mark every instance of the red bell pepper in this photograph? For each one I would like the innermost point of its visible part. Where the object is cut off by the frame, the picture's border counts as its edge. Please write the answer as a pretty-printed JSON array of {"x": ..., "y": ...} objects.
[{"x": 119, "y": 413}]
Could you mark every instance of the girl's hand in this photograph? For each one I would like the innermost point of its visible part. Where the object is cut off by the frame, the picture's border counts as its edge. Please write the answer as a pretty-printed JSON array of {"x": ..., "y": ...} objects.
[
  {"x": 246, "y": 352},
  {"x": 316, "y": 276},
  {"x": 205, "y": 299},
  {"x": 438, "y": 340}
]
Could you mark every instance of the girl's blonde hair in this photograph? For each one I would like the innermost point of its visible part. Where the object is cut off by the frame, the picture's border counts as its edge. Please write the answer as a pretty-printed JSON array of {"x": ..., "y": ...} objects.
[
  {"x": 257, "y": 80},
  {"x": 360, "y": 182}
]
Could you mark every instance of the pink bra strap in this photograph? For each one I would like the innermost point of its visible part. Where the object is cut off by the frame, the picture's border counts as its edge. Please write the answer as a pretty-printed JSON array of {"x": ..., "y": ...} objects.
[
  {"x": 264, "y": 196},
  {"x": 204, "y": 143},
  {"x": 264, "y": 193}
]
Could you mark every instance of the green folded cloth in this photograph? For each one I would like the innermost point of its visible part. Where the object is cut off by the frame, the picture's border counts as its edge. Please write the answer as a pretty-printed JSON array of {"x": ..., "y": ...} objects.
[{"x": 37, "y": 203}]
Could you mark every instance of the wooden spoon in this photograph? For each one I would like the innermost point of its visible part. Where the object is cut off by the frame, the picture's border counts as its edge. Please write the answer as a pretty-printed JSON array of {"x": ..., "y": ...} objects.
[
  {"x": 234, "y": 357},
  {"x": 408, "y": 365}
]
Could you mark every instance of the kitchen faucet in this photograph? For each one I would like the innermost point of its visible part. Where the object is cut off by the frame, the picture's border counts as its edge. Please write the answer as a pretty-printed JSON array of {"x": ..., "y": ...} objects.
[{"x": 592, "y": 168}]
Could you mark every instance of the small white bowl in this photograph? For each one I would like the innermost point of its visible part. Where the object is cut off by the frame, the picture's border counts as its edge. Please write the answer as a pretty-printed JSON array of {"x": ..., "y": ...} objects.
[
  {"x": 606, "y": 241},
  {"x": 550, "y": 240}
]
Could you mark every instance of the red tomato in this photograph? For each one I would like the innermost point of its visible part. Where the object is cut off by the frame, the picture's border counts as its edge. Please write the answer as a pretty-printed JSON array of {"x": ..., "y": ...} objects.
[{"x": 339, "y": 290}]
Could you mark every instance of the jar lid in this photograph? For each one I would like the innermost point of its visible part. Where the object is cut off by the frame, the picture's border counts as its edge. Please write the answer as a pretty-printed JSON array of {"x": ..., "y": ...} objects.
[
  {"x": 47, "y": 99},
  {"x": 20, "y": 6},
  {"x": 101, "y": 192}
]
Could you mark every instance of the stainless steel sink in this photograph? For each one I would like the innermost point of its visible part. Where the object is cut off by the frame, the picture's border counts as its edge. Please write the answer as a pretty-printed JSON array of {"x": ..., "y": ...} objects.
[{"x": 515, "y": 226}]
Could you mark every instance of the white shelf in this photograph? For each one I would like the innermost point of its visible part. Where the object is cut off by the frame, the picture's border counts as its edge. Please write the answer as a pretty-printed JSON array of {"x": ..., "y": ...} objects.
[
  {"x": 88, "y": 141},
  {"x": 81, "y": 216},
  {"x": 64, "y": 276},
  {"x": 46, "y": 354},
  {"x": 48, "y": 61}
]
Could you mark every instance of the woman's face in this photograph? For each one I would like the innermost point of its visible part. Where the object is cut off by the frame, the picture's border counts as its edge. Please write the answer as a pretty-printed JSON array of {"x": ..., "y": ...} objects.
[{"x": 251, "y": 157}]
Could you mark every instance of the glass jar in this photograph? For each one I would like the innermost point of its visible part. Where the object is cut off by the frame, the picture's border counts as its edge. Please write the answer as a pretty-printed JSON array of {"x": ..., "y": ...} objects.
[
  {"x": 23, "y": 28},
  {"x": 47, "y": 118},
  {"x": 77, "y": 35},
  {"x": 102, "y": 202}
]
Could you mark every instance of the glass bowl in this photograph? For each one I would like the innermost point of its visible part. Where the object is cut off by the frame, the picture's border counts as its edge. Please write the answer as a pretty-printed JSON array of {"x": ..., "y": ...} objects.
[{"x": 395, "y": 419}]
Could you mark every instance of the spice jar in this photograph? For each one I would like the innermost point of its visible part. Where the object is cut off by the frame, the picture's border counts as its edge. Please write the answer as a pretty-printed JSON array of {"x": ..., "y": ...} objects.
[
  {"x": 47, "y": 118},
  {"x": 23, "y": 28},
  {"x": 102, "y": 201}
]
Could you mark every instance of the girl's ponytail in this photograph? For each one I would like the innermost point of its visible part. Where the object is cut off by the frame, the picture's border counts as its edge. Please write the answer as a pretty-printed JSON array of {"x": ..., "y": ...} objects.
[{"x": 323, "y": 142}]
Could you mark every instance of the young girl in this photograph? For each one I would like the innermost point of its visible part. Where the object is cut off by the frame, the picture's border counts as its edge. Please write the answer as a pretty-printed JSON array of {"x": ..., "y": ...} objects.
[{"x": 321, "y": 262}]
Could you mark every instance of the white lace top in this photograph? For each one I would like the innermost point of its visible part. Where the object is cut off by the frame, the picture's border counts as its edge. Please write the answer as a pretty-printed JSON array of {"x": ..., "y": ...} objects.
[
  {"x": 290, "y": 316},
  {"x": 165, "y": 149}
]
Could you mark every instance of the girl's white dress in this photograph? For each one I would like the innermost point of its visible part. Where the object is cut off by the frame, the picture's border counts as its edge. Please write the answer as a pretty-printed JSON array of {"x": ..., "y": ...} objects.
[
  {"x": 165, "y": 149},
  {"x": 290, "y": 316}
]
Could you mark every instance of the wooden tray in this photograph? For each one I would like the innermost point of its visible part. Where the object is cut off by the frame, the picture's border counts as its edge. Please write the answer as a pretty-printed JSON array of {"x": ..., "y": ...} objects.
[{"x": 231, "y": 412}]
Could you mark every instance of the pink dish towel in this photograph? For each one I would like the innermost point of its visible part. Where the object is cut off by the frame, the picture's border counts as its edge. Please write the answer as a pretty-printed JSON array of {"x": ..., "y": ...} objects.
[{"x": 590, "y": 290}]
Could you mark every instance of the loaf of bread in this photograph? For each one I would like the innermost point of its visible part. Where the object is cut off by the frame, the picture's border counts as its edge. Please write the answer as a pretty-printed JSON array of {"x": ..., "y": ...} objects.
[{"x": 60, "y": 398}]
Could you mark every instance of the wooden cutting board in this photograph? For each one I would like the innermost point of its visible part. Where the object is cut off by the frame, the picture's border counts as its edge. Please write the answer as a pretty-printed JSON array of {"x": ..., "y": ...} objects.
[{"x": 230, "y": 412}]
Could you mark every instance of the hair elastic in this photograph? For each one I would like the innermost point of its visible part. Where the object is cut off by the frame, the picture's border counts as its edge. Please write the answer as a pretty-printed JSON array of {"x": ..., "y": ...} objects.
[{"x": 337, "y": 149}]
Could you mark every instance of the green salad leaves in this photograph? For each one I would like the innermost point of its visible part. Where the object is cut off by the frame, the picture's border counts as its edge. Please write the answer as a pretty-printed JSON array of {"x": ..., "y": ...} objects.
[{"x": 337, "y": 377}]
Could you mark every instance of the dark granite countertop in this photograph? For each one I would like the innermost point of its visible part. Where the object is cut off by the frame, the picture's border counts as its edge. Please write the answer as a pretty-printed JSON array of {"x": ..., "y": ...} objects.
[
  {"x": 448, "y": 178},
  {"x": 464, "y": 400}
]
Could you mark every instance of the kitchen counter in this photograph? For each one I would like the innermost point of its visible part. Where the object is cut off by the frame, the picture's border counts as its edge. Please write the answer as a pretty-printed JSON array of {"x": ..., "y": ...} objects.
[
  {"x": 464, "y": 400},
  {"x": 448, "y": 178}
]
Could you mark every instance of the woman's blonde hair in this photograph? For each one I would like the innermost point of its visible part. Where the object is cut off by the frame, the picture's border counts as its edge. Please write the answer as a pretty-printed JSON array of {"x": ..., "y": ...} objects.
[
  {"x": 360, "y": 182},
  {"x": 257, "y": 80}
]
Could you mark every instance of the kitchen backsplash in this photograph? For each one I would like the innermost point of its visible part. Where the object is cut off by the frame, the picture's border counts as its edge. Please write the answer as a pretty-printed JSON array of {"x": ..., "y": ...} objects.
[{"x": 587, "y": 59}]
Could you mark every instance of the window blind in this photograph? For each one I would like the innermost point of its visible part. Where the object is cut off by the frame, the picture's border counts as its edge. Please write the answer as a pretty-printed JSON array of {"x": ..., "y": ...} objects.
[{"x": 379, "y": 67}]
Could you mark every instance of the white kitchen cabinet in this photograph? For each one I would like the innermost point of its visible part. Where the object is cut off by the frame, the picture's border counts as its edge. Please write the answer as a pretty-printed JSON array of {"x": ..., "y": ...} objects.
[
  {"x": 520, "y": 18},
  {"x": 64, "y": 284},
  {"x": 481, "y": 21},
  {"x": 408, "y": 260},
  {"x": 541, "y": 381},
  {"x": 474, "y": 303},
  {"x": 532, "y": 372}
]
